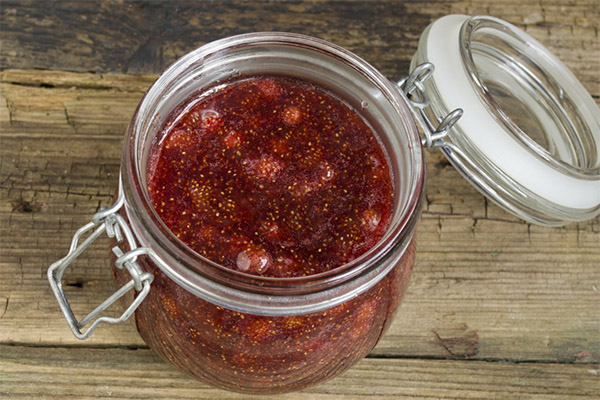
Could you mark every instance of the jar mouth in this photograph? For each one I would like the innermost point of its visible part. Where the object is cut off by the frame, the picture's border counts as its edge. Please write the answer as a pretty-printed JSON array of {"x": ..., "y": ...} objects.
[
  {"x": 325, "y": 64},
  {"x": 533, "y": 95},
  {"x": 494, "y": 72}
]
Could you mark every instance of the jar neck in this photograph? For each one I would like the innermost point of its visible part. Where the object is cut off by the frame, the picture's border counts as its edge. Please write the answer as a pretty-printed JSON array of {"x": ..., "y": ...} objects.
[{"x": 324, "y": 64}]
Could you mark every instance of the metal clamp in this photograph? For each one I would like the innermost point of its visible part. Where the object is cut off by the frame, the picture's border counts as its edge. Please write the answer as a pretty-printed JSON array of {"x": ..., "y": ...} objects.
[
  {"x": 109, "y": 221},
  {"x": 413, "y": 88}
]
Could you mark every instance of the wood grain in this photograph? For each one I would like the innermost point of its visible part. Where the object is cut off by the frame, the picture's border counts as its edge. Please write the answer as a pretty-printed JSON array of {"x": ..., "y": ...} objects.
[
  {"x": 497, "y": 308},
  {"x": 123, "y": 373},
  {"x": 481, "y": 287},
  {"x": 133, "y": 37}
]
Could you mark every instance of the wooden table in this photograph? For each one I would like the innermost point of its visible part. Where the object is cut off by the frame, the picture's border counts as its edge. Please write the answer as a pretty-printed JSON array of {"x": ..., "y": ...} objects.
[{"x": 497, "y": 308}]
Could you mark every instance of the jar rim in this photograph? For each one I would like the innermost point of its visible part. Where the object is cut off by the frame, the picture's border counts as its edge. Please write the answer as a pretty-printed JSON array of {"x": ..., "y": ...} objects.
[
  {"x": 561, "y": 77},
  {"x": 353, "y": 277},
  {"x": 480, "y": 145}
]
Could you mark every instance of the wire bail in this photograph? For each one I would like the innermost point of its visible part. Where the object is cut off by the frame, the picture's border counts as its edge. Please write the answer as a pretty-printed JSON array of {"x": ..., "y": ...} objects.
[
  {"x": 414, "y": 89},
  {"x": 109, "y": 221}
]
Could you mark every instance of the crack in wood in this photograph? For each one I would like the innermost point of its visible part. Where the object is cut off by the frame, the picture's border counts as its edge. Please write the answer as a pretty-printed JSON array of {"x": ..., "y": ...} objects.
[
  {"x": 24, "y": 206},
  {"x": 100, "y": 346},
  {"x": 464, "y": 346},
  {"x": 444, "y": 214},
  {"x": 5, "y": 308},
  {"x": 69, "y": 122},
  {"x": 67, "y": 192}
]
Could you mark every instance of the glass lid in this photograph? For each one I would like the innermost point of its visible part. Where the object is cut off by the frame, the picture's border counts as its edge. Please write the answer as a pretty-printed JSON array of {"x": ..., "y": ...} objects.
[{"x": 529, "y": 136}]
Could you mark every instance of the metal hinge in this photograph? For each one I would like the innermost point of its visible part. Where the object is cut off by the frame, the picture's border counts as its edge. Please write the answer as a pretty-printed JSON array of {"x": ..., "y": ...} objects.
[
  {"x": 115, "y": 226},
  {"x": 413, "y": 88}
]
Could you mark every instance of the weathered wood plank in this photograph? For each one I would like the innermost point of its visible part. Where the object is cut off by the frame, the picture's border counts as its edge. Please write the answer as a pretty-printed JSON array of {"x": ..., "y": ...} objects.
[
  {"x": 486, "y": 285},
  {"x": 57, "y": 373},
  {"x": 80, "y": 80},
  {"x": 133, "y": 37}
]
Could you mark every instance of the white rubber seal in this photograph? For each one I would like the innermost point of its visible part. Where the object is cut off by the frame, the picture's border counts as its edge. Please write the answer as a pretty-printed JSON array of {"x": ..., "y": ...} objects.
[{"x": 488, "y": 135}]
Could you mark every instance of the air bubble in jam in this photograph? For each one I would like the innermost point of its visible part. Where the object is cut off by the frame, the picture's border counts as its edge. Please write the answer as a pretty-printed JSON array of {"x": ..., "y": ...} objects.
[
  {"x": 232, "y": 139},
  {"x": 243, "y": 261},
  {"x": 292, "y": 115},
  {"x": 327, "y": 171},
  {"x": 209, "y": 119},
  {"x": 253, "y": 259},
  {"x": 269, "y": 87},
  {"x": 371, "y": 219}
]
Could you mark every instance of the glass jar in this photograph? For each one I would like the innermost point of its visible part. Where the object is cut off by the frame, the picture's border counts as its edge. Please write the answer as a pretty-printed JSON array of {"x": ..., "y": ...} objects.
[
  {"x": 259, "y": 334},
  {"x": 266, "y": 335}
]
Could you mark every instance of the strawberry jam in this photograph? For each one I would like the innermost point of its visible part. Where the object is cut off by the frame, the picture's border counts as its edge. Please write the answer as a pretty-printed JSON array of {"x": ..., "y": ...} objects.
[
  {"x": 274, "y": 177},
  {"x": 271, "y": 176}
]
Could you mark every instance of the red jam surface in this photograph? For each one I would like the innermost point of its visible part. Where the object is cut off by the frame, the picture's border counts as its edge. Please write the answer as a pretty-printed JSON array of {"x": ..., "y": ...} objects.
[{"x": 271, "y": 176}]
